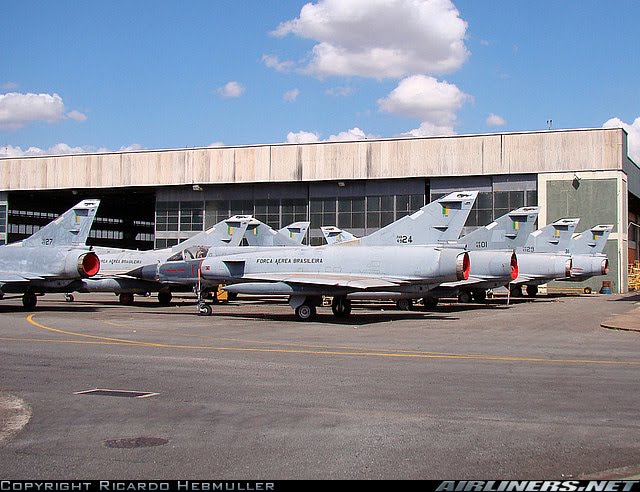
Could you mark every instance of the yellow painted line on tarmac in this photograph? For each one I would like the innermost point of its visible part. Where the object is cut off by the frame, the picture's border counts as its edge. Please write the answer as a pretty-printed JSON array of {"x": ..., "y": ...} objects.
[{"x": 349, "y": 352}]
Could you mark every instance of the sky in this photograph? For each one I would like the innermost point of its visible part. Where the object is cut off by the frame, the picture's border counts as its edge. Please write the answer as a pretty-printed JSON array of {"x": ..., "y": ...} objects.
[{"x": 78, "y": 76}]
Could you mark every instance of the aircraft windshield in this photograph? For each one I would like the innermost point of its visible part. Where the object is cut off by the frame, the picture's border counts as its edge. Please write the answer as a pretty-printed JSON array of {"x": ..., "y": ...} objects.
[{"x": 192, "y": 253}]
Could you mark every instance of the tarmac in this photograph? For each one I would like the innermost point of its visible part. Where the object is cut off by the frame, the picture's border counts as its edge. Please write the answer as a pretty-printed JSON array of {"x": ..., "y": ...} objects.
[{"x": 543, "y": 387}]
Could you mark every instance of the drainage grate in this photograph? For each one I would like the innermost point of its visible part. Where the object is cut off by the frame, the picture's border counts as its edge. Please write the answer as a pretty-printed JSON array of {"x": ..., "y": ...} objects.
[
  {"x": 121, "y": 393},
  {"x": 134, "y": 442}
]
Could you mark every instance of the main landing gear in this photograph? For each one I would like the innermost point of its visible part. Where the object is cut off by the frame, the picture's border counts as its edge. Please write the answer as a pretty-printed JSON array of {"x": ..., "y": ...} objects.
[{"x": 29, "y": 301}]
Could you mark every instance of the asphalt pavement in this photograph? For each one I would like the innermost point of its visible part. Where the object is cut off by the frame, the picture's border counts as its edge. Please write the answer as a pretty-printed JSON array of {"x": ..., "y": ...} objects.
[{"x": 538, "y": 389}]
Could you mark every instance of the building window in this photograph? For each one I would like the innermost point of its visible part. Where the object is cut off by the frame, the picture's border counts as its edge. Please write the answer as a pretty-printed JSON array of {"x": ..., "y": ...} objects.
[
  {"x": 351, "y": 213},
  {"x": 166, "y": 243},
  {"x": 408, "y": 204},
  {"x": 268, "y": 211},
  {"x": 3, "y": 219},
  {"x": 216, "y": 211},
  {"x": 191, "y": 216},
  {"x": 379, "y": 211},
  {"x": 322, "y": 212},
  {"x": 241, "y": 207},
  {"x": 167, "y": 214},
  {"x": 293, "y": 210}
]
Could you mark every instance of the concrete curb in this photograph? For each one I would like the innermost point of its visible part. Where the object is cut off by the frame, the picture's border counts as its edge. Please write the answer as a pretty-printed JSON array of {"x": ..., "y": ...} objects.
[{"x": 628, "y": 322}]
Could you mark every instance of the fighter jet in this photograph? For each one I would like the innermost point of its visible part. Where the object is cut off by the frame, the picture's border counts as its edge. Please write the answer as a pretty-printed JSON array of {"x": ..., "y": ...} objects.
[
  {"x": 307, "y": 274},
  {"x": 119, "y": 266},
  {"x": 492, "y": 254},
  {"x": 491, "y": 251},
  {"x": 51, "y": 260},
  {"x": 441, "y": 219},
  {"x": 544, "y": 257},
  {"x": 586, "y": 249}
]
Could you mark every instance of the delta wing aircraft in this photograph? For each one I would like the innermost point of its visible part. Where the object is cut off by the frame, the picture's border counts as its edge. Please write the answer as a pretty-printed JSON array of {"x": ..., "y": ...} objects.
[
  {"x": 491, "y": 252},
  {"x": 53, "y": 259},
  {"x": 544, "y": 257},
  {"x": 586, "y": 249},
  {"x": 493, "y": 258},
  {"x": 395, "y": 260},
  {"x": 119, "y": 267}
]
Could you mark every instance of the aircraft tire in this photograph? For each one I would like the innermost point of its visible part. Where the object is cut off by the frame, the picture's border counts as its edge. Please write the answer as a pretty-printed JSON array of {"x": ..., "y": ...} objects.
[
  {"x": 516, "y": 291},
  {"x": 29, "y": 301},
  {"x": 126, "y": 299},
  {"x": 164, "y": 298},
  {"x": 430, "y": 302},
  {"x": 69, "y": 298},
  {"x": 404, "y": 304},
  {"x": 479, "y": 295},
  {"x": 341, "y": 307},
  {"x": 305, "y": 312},
  {"x": 204, "y": 309},
  {"x": 464, "y": 297},
  {"x": 532, "y": 290},
  {"x": 587, "y": 290}
]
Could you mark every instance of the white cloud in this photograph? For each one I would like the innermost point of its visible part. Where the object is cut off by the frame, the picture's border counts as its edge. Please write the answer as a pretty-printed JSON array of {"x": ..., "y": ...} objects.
[
  {"x": 302, "y": 137},
  {"x": 16, "y": 109},
  {"x": 291, "y": 96},
  {"x": 495, "y": 120},
  {"x": 77, "y": 115},
  {"x": 353, "y": 134},
  {"x": 272, "y": 61},
  {"x": 427, "y": 129},
  {"x": 57, "y": 149},
  {"x": 633, "y": 140},
  {"x": 434, "y": 102},
  {"x": 339, "y": 91},
  {"x": 134, "y": 146},
  {"x": 231, "y": 89},
  {"x": 380, "y": 38},
  {"x": 216, "y": 144}
]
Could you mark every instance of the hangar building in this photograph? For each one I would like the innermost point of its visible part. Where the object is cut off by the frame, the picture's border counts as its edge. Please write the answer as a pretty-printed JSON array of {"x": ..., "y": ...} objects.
[{"x": 155, "y": 198}]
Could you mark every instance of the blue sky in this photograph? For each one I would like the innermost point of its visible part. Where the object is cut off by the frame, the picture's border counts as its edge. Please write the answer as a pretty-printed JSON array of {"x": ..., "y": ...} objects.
[{"x": 86, "y": 76}]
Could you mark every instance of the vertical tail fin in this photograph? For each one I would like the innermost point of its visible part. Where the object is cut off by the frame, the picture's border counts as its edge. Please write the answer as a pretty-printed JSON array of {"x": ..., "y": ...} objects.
[
  {"x": 228, "y": 232},
  {"x": 554, "y": 238},
  {"x": 510, "y": 231},
  {"x": 260, "y": 234},
  {"x": 592, "y": 241},
  {"x": 70, "y": 229},
  {"x": 296, "y": 231},
  {"x": 440, "y": 220},
  {"x": 335, "y": 235}
]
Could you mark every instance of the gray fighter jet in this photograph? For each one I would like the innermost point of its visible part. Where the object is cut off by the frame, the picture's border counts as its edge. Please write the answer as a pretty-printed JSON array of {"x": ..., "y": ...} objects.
[
  {"x": 53, "y": 259},
  {"x": 437, "y": 221},
  {"x": 544, "y": 257},
  {"x": 491, "y": 251},
  {"x": 119, "y": 266},
  {"x": 306, "y": 274},
  {"x": 586, "y": 249}
]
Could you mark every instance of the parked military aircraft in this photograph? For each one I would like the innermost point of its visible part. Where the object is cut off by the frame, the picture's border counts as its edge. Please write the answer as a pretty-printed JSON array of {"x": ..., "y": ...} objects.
[
  {"x": 119, "y": 266},
  {"x": 491, "y": 251},
  {"x": 437, "y": 221},
  {"x": 53, "y": 259},
  {"x": 586, "y": 249},
  {"x": 544, "y": 257},
  {"x": 307, "y": 274},
  {"x": 260, "y": 234},
  {"x": 493, "y": 258}
]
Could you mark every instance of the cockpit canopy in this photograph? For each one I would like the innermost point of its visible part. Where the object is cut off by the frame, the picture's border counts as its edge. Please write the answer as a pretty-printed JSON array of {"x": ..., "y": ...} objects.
[{"x": 192, "y": 253}]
